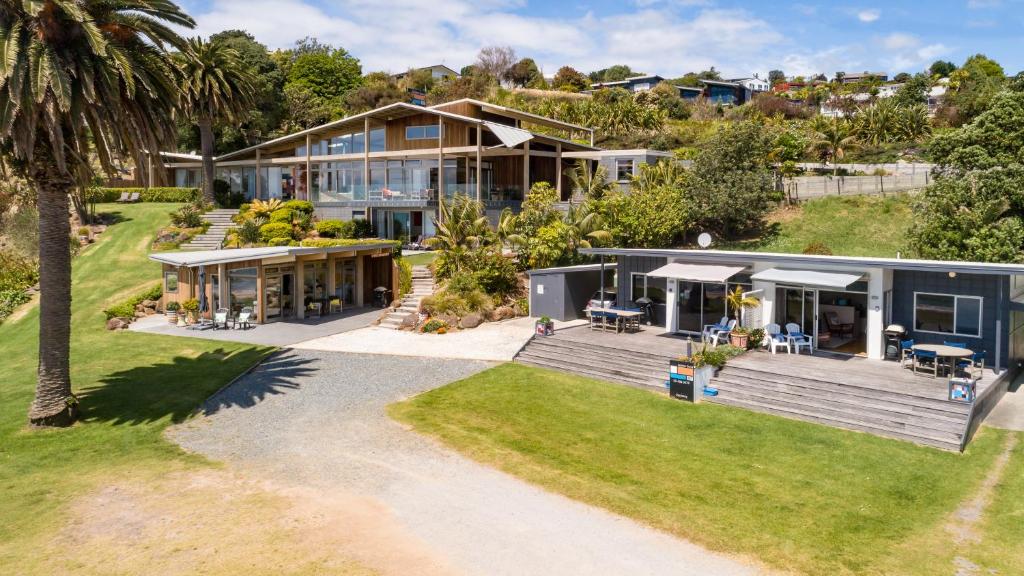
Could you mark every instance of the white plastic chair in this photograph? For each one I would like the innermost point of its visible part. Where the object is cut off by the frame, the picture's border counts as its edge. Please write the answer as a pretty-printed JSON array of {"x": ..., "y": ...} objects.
[
  {"x": 723, "y": 334},
  {"x": 220, "y": 318},
  {"x": 798, "y": 339},
  {"x": 708, "y": 334},
  {"x": 244, "y": 317},
  {"x": 774, "y": 339}
]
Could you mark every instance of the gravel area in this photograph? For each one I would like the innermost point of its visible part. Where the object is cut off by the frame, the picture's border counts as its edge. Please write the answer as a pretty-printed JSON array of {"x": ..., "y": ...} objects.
[{"x": 316, "y": 419}]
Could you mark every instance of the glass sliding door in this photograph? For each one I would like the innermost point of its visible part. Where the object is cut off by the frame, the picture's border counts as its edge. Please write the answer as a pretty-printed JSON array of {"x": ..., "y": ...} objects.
[
  {"x": 689, "y": 307},
  {"x": 797, "y": 305}
]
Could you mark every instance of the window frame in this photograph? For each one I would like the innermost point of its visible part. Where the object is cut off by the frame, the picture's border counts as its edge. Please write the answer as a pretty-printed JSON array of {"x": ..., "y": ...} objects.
[
  {"x": 177, "y": 281},
  {"x": 425, "y": 130},
  {"x": 956, "y": 307},
  {"x": 632, "y": 168}
]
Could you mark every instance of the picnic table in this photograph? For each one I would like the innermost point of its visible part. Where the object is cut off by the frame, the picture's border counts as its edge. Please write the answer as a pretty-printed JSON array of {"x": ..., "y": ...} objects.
[
  {"x": 942, "y": 351},
  {"x": 617, "y": 319}
]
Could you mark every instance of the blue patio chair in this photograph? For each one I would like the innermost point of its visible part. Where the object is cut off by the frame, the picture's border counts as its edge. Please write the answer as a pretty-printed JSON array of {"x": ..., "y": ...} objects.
[
  {"x": 955, "y": 344},
  {"x": 711, "y": 329},
  {"x": 798, "y": 339},
  {"x": 976, "y": 361},
  {"x": 924, "y": 358},
  {"x": 907, "y": 349}
]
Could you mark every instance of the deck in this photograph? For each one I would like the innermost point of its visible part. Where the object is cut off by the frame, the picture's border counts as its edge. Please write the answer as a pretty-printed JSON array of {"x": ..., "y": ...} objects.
[{"x": 850, "y": 392}]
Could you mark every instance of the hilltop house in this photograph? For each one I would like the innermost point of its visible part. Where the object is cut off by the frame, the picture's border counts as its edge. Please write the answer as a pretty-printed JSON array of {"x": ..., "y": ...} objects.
[
  {"x": 437, "y": 71},
  {"x": 392, "y": 165}
]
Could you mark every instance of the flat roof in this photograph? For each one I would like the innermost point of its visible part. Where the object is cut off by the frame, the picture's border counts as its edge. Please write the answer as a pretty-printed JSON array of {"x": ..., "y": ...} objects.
[
  {"x": 728, "y": 256},
  {"x": 228, "y": 255},
  {"x": 565, "y": 269},
  {"x": 626, "y": 80}
]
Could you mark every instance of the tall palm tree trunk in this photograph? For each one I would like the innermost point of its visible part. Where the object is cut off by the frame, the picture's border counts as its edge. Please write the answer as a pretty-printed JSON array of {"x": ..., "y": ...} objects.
[
  {"x": 54, "y": 404},
  {"x": 206, "y": 147}
]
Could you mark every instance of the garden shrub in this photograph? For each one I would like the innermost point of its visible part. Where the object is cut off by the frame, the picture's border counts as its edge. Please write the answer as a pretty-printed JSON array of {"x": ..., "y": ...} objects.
[
  {"x": 434, "y": 325},
  {"x": 495, "y": 273},
  {"x": 10, "y": 300},
  {"x": 335, "y": 229},
  {"x": 362, "y": 228},
  {"x": 188, "y": 216},
  {"x": 273, "y": 230},
  {"x": 126, "y": 309},
  {"x": 280, "y": 241},
  {"x": 326, "y": 242},
  {"x": 281, "y": 215},
  {"x": 304, "y": 206},
  {"x": 461, "y": 295},
  {"x": 17, "y": 273},
  {"x": 404, "y": 277},
  {"x": 161, "y": 194}
]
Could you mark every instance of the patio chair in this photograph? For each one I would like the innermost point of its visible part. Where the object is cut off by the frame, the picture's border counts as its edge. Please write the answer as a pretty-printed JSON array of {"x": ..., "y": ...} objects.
[
  {"x": 906, "y": 353},
  {"x": 244, "y": 318},
  {"x": 798, "y": 339},
  {"x": 710, "y": 329},
  {"x": 723, "y": 335},
  {"x": 975, "y": 365},
  {"x": 124, "y": 197},
  {"x": 842, "y": 329},
  {"x": 334, "y": 305},
  {"x": 774, "y": 339},
  {"x": 135, "y": 197},
  {"x": 220, "y": 318},
  {"x": 927, "y": 358}
]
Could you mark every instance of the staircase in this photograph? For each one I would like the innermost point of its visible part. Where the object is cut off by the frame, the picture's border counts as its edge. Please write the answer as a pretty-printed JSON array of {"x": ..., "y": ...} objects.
[
  {"x": 844, "y": 399},
  {"x": 220, "y": 222},
  {"x": 603, "y": 361},
  {"x": 422, "y": 286}
]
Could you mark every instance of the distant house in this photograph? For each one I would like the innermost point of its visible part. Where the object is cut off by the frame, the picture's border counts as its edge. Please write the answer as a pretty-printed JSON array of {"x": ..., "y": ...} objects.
[
  {"x": 754, "y": 84},
  {"x": 889, "y": 90},
  {"x": 726, "y": 92},
  {"x": 437, "y": 71},
  {"x": 634, "y": 84},
  {"x": 854, "y": 77}
]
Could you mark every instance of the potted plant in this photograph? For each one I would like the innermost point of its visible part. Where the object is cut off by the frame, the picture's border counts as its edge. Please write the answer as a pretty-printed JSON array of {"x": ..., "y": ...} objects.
[
  {"x": 739, "y": 337},
  {"x": 545, "y": 326},
  {"x": 690, "y": 375},
  {"x": 171, "y": 311},
  {"x": 191, "y": 307},
  {"x": 756, "y": 338}
]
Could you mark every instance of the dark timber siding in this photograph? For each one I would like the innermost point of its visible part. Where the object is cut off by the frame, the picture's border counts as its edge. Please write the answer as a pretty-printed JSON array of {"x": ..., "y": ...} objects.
[
  {"x": 996, "y": 306},
  {"x": 629, "y": 265}
]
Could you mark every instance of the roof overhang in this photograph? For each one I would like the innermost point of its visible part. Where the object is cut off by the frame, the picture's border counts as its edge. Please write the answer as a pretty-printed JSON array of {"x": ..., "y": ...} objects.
[
  {"x": 510, "y": 137},
  {"x": 229, "y": 255},
  {"x": 696, "y": 272},
  {"x": 812, "y": 278}
]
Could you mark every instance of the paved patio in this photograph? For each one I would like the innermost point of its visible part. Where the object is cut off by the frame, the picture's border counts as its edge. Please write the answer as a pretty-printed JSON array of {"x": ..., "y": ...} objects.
[{"x": 283, "y": 333}]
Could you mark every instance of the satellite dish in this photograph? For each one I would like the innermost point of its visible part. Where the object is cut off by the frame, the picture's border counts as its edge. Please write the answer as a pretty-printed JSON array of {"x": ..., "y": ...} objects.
[{"x": 704, "y": 240}]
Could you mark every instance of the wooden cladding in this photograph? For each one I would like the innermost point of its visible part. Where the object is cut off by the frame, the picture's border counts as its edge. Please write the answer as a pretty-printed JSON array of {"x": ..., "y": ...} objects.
[{"x": 456, "y": 133}]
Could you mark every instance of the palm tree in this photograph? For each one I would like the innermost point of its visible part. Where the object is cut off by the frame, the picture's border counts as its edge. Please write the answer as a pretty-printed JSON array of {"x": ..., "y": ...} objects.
[
  {"x": 461, "y": 226},
  {"x": 586, "y": 227},
  {"x": 590, "y": 184},
  {"x": 831, "y": 139},
  {"x": 78, "y": 78},
  {"x": 217, "y": 87}
]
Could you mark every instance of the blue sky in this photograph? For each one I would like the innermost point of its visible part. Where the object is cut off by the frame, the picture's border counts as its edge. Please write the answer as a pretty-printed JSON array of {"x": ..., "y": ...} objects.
[{"x": 667, "y": 37}]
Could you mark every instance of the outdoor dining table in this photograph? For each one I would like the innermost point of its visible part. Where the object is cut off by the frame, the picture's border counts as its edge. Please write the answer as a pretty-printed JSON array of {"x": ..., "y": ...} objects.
[
  {"x": 943, "y": 351},
  {"x": 629, "y": 319}
]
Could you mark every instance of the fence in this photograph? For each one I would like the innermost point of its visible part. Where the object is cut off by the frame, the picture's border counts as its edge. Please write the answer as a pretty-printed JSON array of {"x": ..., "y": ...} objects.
[{"x": 807, "y": 187}]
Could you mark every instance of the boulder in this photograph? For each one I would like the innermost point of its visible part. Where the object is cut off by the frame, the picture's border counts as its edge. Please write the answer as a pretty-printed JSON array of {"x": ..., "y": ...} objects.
[
  {"x": 410, "y": 321},
  {"x": 140, "y": 313},
  {"x": 116, "y": 324},
  {"x": 149, "y": 304},
  {"x": 451, "y": 320},
  {"x": 150, "y": 311},
  {"x": 471, "y": 320},
  {"x": 503, "y": 313}
]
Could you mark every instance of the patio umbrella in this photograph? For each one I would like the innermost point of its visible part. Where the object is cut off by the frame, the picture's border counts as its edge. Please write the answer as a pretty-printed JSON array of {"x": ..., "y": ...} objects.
[{"x": 203, "y": 305}]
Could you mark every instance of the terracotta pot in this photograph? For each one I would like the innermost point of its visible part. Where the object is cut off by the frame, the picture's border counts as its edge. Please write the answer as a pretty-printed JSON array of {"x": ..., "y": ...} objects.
[{"x": 739, "y": 340}]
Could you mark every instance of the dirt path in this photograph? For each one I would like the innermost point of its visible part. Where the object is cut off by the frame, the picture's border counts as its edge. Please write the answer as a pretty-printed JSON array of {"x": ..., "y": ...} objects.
[
  {"x": 962, "y": 526},
  {"x": 314, "y": 422}
]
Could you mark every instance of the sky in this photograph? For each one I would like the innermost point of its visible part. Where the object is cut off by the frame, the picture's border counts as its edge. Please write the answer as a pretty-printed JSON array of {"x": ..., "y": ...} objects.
[{"x": 665, "y": 37}]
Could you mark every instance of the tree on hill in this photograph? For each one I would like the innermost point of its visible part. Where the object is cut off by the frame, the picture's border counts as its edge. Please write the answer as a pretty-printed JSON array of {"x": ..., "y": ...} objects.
[
  {"x": 523, "y": 73},
  {"x": 570, "y": 79},
  {"x": 80, "y": 80},
  {"x": 380, "y": 89},
  {"x": 975, "y": 209},
  {"x": 901, "y": 77},
  {"x": 614, "y": 73},
  {"x": 914, "y": 90},
  {"x": 692, "y": 79},
  {"x": 495, "y": 61},
  {"x": 216, "y": 87},
  {"x": 776, "y": 77},
  {"x": 327, "y": 72},
  {"x": 264, "y": 116},
  {"x": 972, "y": 89}
]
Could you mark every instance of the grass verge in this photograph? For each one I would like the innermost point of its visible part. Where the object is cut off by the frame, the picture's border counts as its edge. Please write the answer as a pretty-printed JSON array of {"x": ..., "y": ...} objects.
[
  {"x": 132, "y": 386},
  {"x": 797, "y": 496},
  {"x": 846, "y": 225}
]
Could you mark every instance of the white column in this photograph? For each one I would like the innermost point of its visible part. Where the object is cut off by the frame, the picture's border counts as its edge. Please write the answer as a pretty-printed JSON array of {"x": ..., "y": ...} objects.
[
  {"x": 671, "y": 305},
  {"x": 876, "y": 313},
  {"x": 222, "y": 287}
]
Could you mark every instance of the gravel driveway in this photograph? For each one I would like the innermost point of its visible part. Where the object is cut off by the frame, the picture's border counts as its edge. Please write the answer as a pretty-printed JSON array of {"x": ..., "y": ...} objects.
[{"x": 317, "y": 419}]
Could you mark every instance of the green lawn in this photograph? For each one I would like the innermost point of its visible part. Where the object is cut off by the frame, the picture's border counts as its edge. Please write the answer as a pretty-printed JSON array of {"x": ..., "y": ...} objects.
[
  {"x": 797, "y": 496},
  {"x": 132, "y": 386},
  {"x": 847, "y": 225},
  {"x": 421, "y": 259}
]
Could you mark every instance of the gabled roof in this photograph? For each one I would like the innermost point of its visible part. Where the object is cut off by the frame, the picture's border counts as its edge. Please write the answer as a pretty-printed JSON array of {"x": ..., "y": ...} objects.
[{"x": 513, "y": 113}]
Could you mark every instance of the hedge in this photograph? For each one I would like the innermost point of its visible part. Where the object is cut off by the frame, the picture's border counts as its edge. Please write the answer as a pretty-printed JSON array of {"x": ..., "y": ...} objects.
[
  {"x": 165, "y": 194},
  {"x": 126, "y": 309},
  {"x": 273, "y": 230},
  {"x": 336, "y": 229},
  {"x": 328, "y": 242}
]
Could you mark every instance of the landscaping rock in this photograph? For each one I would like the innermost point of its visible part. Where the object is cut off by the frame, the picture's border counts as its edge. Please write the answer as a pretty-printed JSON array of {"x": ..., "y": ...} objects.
[
  {"x": 471, "y": 320},
  {"x": 409, "y": 322},
  {"x": 149, "y": 304},
  {"x": 503, "y": 313},
  {"x": 140, "y": 313},
  {"x": 449, "y": 319},
  {"x": 116, "y": 324}
]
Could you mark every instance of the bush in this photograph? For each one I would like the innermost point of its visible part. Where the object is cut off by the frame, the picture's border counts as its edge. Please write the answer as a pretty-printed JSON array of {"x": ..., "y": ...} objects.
[
  {"x": 495, "y": 273},
  {"x": 281, "y": 215},
  {"x": 224, "y": 197},
  {"x": 17, "y": 273},
  {"x": 163, "y": 194},
  {"x": 404, "y": 277},
  {"x": 10, "y": 300},
  {"x": 461, "y": 295},
  {"x": 280, "y": 242},
  {"x": 126, "y": 309},
  {"x": 362, "y": 228},
  {"x": 335, "y": 229},
  {"x": 325, "y": 242},
  {"x": 188, "y": 216},
  {"x": 273, "y": 230},
  {"x": 434, "y": 325},
  {"x": 304, "y": 206}
]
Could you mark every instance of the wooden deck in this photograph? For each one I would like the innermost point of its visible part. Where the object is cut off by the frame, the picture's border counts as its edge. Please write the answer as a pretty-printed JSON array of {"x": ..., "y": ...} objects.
[{"x": 851, "y": 392}]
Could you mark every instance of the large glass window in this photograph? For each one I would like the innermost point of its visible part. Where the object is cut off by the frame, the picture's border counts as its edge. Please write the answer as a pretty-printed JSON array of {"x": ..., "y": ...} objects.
[
  {"x": 345, "y": 281},
  {"x": 377, "y": 140},
  {"x": 623, "y": 169},
  {"x": 428, "y": 132},
  {"x": 340, "y": 145},
  {"x": 242, "y": 289},
  {"x": 341, "y": 181},
  {"x": 314, "y": 278},
  {"x": 948, "y": 314}
]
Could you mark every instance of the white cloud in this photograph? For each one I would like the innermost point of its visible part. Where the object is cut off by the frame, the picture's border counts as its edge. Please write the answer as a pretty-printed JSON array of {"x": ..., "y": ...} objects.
[
  {"x": 869, "y": 15},
  {"x": 983, "y": 4},
  {"x": 900, "y": 41}
]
